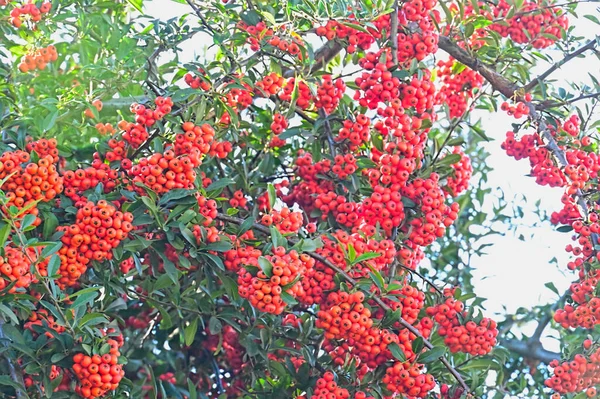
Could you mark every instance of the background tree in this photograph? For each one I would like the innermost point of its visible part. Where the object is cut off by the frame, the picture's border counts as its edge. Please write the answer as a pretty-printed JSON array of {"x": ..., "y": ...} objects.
[{"x": 253, "y": 223}]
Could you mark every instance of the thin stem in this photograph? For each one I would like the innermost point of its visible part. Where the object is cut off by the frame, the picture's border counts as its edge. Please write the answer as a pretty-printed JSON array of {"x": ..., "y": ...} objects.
[
  {"x": 588, "y": 46},
  {"x": 394, "y": 33}
]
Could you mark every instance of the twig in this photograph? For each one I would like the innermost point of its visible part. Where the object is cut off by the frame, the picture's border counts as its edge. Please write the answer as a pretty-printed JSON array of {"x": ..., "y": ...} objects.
[
  {"x": 551, "y": 104},
  {"x": 527, "y": 350},
  {"x": 15, "y": 372},
  {"x": 422, "y": 277},
  {"x": 537, "y": 334},
  {"x": 328, "y": 133},
  {"x": 588, "y": 46},
  {"x": 394, "y": 33},
  {"x": 354, "y": 283}
]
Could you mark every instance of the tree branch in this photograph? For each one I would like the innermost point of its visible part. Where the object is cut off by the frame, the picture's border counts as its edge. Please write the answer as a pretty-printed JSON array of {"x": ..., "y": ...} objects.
[
  {"x": 353, "y": 282},
  {"x": 529, "y": 350},
  {"x": 588, "y": 46},
  {"x": 498, "y": 82},
  {"x": 322, "y": 57},
  {"x": 394, "y": 33}
]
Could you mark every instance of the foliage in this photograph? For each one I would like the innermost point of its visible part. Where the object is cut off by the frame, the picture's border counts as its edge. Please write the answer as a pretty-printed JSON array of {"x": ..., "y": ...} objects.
[{"x": 291, "y": 214}]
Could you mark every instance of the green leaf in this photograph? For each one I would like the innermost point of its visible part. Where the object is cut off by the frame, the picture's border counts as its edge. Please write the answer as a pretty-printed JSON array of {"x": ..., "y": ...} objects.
[
  {"x": 214, "y": 325},
  {"x": 220, "y": 184},
  {"x": 266, "y": 266},
  {"x": 84, "y": 296},
  {"x": 550, "y": 285},
  {"x": 50, "y": 225},
  {"x": 51, "y": 249},
  {"x": 432, "y": 354},
  {"x": 4, "y": 233},
  {"x": 287, "y": 298},
  {"x": 6, "y": 311},
  {"x": 50, "y": 120},
  {"x": 137, "y": 4},
  {"x": 397, "y": 352},
  {"x": 272, "y": 195},
  {"x": 53, "y": 265},
  {"x": 92, "y": 319},
  {"x": 190, "y": 332}
]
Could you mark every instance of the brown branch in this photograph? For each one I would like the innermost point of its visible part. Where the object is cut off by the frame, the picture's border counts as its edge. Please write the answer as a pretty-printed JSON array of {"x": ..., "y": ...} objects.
[
  {"x": 323, "y": 56},
  {"x": 588, "y": 46},
  {"x": 498, "y": 82},
  {"x": 354, "y": 283},
  {"x": 551, "y": 104},
  {"x": 546, "y": 319},
  {"x": 531, "y": 351},
  {"x": 394, "y": 33}
]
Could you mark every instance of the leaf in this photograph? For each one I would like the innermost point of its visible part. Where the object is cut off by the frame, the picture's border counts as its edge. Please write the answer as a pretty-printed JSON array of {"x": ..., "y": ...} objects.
[
  {"x": 214, "y": 325},
  {"x": 287, "y": 298},
  {"x": 175, "y": 195},
  {"x": 220, "y": 184},
  {"x": 550, "y": 285},
  {"x": 190, "y": 332},
  {"x": 272, "y": 195},
  {"x": 27, "y": 221},
  {"x": 266, "y": 266},
  {"x": 6, "y": 380},
  {"x": 4, "y": 233},
  {"x": 137, "y": 4},
  {"x": 417, "y": 345},
  {"x": 51, "y": 249},
  {"x": 5, "y": 310},
  {"x": 84, "y": 296},
  {"x": 397, "y": 352},
  {"x": 53, "y": 265},
  {"x": 50, "y": 120},
  {"x": 366, "y": 256},
  {"x": 449, "y": 160},
  {"x": 432, "y": 354},
  {"x": 92, "y": 319}
]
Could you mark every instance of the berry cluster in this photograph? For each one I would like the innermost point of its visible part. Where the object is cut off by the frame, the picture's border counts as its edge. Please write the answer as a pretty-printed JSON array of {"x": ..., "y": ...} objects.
[
  {"x": 457, "y": 88},
  {"x": 98, "y": 228},
  {"x": 15, "y": 270},
  {"x": 163, "y": 172},
  {"x": 38, "y": 59},
  {"x": 281, "y": 274},
  {"x": 408, "y": 379},
  {"x": 197, "y": 82},
  {"x": 270, "y": 85},
  {"x": 280, "y": 123},
  {"x": 285, "y": 220},
  {"x": 329, "y": 94},
  {"x": 468, "y": 337},
  {"x": 356, "y": 133},
  {"x": 463, "y": 170},
  {"x": 345, "y": 165},
  {"x": 43, "y": 147},
  {"x": 77, "y": 181},
  {"x": 97, "y": 103},
  {"x": 148, "y": 117},
  {"x": 29, "y": 12},
  {"x": 195, "y": 142},
  {"x": 98, "y": 374},
  {"x": 578, "y": 375},
  {"x": 305, "y": 98}
]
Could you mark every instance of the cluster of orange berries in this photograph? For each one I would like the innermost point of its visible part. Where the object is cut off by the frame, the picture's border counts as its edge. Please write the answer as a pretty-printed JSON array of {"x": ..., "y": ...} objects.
[
  {"x": 148, "y": 117},
  {"x": 436, "y": 215},
  {"x": 305, "y": 98},
  {"x": 384, "y": 207},
  {"x": 519, "y": 110},
  {"x": 163, "y": 172},
  {"x": 269, "y": 85},
  {"x": 408, "y": 379},
  {"x": 391, "y": 170},
  {"x": 15, "y": 270},
  {"x": 38, "y": 59},
  {"x": 416, "y": 45},
  {"x": 345, "y": 165},
  {"x": 195, "y": 142},
  {"x": 105, "y": 128},
  {"x": 264, "y": 290},
  {"x": 55, "y": 372},
  {"x": 42, "y": 318},
  {"x": 238, "y": 200},
  {"x": 29, "y": 11},
  {"x": 208, "y": 209},
  {"x": 543, "y": 167},
  {"x": 285, "y": 220},
  {"x": 98, "y": 228},
  {"x": 28, "y": 182},
  {"x": 463, "y": 170},
  {"x": 98, "y": 374},
  {"x": 329, "y": 94},
  {"x": 456, "y": 88},
  {"x": 336, "y": 30},
  {"x": 279, "y": 124},
  {"x": 197, "y": 82},
  {"x": 77, "y": 181},
  {"x": 97, "y": 103},
  {"x": 327, "y": 388},
  {"x": 356, "y": 133},
  {"x": 533, "y": 23},
  {"x": 409, "y": 300},
  {"x": 43, "y": 147},
  {"x": 243, "y": 255},
  {"x": 376, "y": 83},
  {"x": 578, "y": 375},
  {"x": 469, "y": 337}
]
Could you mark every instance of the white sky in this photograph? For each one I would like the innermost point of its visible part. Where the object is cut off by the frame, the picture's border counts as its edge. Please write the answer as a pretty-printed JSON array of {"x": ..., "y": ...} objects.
[{"x": 512, "y": 274}]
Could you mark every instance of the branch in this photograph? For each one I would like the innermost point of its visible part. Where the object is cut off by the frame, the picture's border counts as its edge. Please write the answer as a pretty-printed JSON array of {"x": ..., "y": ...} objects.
[
  {"x": 322, "y": 57},
  {"x": 354, "y": 283},
  {"x": 394, "y": 33},
  {"x": 537, "y": 334},
  {"x": 551, "y": 104},
  {"x": 15, "y": 372},
  {"x": 530, "y": 351},
  {"x": 588, "y": 46},
  {"x": 498, "y": 82}
]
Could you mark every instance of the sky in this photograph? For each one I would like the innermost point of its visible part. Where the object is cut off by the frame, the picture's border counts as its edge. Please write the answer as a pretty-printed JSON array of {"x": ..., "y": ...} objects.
[{"x": 513, "y": 272}]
